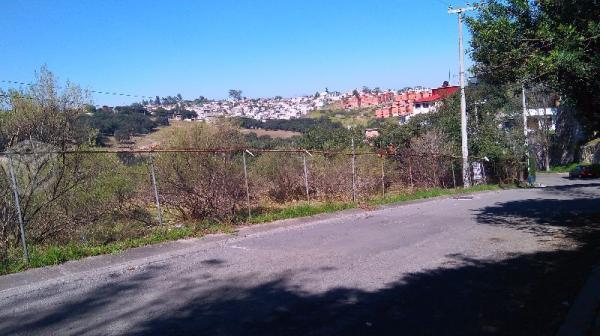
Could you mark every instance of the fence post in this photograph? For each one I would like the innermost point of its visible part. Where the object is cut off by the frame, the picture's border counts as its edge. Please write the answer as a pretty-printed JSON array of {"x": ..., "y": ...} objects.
[
  {"x": 410, "y": 174},
  {"x": 435, "y": 168},
  {"x": 18, "y": 207},
  {"x": 383, "y": 176},
  {"x": 155, "y": 187},
  {"x": 353, "y": 172},
  {"x": 247, "y": 187},
  {"x": 453, "y": 175},
  {"x": 306, "y": 177}
]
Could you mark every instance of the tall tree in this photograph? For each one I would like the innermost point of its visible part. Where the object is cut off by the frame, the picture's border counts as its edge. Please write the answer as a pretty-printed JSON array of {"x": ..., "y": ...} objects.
[
  {"x": 555, "y": 42},
  {"x": 235, "y": 94}
]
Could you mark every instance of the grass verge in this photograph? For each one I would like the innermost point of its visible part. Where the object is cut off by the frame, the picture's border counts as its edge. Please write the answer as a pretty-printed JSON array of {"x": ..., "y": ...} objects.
[
  {"x": 40, "y": 256},
  {"x": 303, "y": 210},
  {"x": 564, "y": 169},
  {"x": 430, "y": 193}
]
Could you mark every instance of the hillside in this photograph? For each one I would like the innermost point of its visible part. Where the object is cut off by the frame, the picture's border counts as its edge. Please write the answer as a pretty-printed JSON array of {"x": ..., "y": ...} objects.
[
  {"x": 163, "y": 133},
  {"x": 354, "y": 117}
]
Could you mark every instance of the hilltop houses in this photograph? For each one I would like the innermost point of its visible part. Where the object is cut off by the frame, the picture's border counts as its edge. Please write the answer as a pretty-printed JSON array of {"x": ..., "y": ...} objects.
[
  {"x": 413, "y": 102},
  {"x": 260, "y": 109},
  {"x": 404, "y": 104}
]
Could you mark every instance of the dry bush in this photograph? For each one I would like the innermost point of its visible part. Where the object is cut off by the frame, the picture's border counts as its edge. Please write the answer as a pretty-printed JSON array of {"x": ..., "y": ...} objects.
[
  {"x": 202, "y": 185},
  {"x": 278, "y": 177},
  {"x": 368, "y": 176},
  {"x": 430, "y": 159},
  {"x": 330, "y": 177},
  {"x": 8, "y": 219},
  {"x": 397, "y": 177},
  {"x": 111, "y": 203},
  {"x": 63, "y": 195}
]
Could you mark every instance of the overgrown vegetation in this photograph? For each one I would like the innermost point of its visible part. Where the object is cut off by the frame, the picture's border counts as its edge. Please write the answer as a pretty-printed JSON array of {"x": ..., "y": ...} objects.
[
  {"x": 555, "y": 43},
  {"x": 63, "y": 197},
  {"x": 122, "y": 122},
  {"x": 51, "y": 254},
  {"x": 357, "y": 117},
  {"x": 495, "y": 130},
  {"x": 563, "y": 169},
  {"x": 76, "y": 204},
  {"x": 295, "y": 125}
]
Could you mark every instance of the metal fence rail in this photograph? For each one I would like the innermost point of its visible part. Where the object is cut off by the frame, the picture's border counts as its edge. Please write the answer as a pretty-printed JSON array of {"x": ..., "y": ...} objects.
[{"x": 196, "y": 184}]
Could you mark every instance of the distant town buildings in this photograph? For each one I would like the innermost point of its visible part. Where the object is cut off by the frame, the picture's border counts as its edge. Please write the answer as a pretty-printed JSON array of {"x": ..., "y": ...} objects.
[
  {"x": 259, "y": 109},
  {"x": 413, "y": 102},
  {"x": 403, "y": 104},
  {"x": 352, "y": 101}
]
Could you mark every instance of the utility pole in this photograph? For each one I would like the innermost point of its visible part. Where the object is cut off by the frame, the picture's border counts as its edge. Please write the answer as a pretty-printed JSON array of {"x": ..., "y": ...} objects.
[
  {"x": 524, "y": 94},
  {"x": 463, "y": 99},
  {"x": 353, "y": 172}
]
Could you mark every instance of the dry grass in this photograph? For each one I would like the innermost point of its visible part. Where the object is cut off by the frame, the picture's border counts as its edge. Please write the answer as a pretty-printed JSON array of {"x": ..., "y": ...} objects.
[
  {"x": 164, "y": 133},
  {"x": 273, "y": 134},
  {"x": 160, "y": 136}
]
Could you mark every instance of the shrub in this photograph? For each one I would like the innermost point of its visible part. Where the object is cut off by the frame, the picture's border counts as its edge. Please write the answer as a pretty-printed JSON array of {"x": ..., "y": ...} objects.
[
  {"x": 278, "y": 177},
  {"x": 330, "y": 177},
  {"x": 203, "y": 185}
]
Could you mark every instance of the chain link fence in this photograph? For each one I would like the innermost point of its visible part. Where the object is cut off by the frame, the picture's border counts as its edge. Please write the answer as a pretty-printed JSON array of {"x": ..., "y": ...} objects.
[{"x": 103, "y": 196}]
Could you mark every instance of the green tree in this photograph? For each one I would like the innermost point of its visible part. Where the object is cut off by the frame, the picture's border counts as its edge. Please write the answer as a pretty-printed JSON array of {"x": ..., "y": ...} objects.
[
  {"x": 544, "y": 41},
  {"x": 235, "y": 94},
  {"x": 495, "y": 126}
]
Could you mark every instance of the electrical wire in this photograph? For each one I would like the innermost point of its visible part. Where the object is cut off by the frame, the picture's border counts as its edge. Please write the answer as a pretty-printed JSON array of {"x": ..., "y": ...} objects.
[{"x": 91, "y": 91}]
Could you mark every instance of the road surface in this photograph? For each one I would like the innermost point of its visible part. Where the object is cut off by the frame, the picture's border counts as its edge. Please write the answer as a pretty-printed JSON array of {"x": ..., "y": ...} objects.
[{"x": 506, "y": 262}]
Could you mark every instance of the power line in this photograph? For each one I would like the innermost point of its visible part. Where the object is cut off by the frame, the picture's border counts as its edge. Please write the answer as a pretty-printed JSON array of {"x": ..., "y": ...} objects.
[
  {"x": 92, "y": 91},
  {"x": 34, "y": 98}
]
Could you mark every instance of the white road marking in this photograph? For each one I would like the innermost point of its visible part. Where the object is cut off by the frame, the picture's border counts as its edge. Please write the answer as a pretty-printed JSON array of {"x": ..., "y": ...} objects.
[{"x": 239, "y": 247}]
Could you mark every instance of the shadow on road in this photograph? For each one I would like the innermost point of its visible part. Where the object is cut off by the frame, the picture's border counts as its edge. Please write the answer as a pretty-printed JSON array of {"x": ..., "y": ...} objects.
[{"x": 526, "y": 294}]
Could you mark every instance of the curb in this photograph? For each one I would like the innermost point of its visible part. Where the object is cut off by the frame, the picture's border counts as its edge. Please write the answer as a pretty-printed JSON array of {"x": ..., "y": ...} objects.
[{"x": 584, "y": 317}]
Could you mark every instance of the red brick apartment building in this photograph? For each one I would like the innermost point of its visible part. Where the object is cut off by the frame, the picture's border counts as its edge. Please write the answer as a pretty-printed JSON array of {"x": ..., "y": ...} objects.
[
  {"x": 407, "y": 103},
  {"x": 368, "y": 100}
]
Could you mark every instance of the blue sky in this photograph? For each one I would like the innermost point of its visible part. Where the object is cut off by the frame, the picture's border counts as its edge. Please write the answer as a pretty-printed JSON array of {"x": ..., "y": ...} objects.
[{"x": 263, "y": 47}]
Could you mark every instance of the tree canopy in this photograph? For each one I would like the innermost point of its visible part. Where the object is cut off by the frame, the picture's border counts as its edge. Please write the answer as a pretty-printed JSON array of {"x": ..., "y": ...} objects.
[
  {"x": 235, "y": 94},
  {"x": 495, "y": 126},
  {"x": 544, "y": 41}
]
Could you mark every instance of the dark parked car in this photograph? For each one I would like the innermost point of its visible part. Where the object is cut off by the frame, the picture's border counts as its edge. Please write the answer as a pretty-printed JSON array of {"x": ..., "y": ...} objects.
[{"x": 585, "y": 171}]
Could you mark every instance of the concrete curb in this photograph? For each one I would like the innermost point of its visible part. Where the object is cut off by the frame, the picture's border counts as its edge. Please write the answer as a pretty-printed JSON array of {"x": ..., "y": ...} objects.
[{"x": 584, "y": 316}]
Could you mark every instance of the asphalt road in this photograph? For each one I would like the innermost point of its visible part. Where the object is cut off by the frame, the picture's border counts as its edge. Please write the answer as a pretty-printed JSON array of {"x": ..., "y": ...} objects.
[{"x": 507, "y": 262}]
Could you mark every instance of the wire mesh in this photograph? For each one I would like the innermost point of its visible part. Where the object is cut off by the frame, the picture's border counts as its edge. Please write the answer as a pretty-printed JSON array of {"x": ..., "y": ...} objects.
[{"x": 99, "y": 197}]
